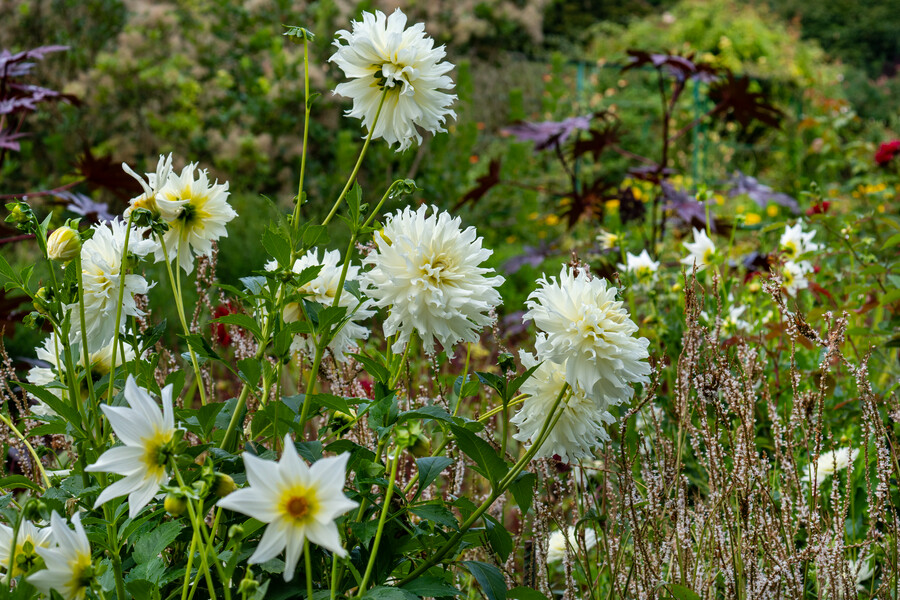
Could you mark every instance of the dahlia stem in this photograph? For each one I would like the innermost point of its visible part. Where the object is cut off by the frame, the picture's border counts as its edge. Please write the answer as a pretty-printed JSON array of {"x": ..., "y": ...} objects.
[
  {"x": 187, "y": 573},
  {"x": 113, "y": 543},
  {"x": 115, "y": 343},
  {"x": 362, "y": 153},
  {"x": 498, "y": 491},
  {"x": 37, "y": 461},
  {"x": 381, "y": 520},
  {"x": 308, "y": 564},
  {"x": 85, "y": 353},
  {"x": 175, "y": 282},
  {"x": 295, "y": 220}
]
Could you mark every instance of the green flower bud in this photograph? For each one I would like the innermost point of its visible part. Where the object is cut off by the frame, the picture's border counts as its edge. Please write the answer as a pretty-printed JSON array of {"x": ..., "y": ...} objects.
[
  {"x": 19, "y": 212},
  {"x": 223, "y": 485},
  {"x": 64, "y": 244},
  {"x": 175, "y": 504},
  {"x": 42, "y": 300}
]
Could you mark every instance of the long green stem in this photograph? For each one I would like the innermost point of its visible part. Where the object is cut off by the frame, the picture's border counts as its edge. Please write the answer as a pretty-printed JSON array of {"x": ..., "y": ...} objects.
[
  {"x": 187, "y": 573},
  {"x": 296, "y": 217},
  {"x": 385, "y": 507},
  {"x": 115, "y": 341},
  {"x": 308, "y": 564},
  {"x": 359, "y": 160},
  {"x": 175, "y": 282},
  {"x": 34, "y": 456},
  {"x": 113, "y": 540},
  {"x": 499, "y": 489}
]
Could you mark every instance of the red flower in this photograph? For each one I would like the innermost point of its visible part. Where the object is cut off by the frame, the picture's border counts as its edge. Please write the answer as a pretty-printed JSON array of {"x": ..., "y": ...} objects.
[
  {"x": 819, "y": 208},
  {"x": 886, "y": 152},
  {"x": 220, "y": 330}
]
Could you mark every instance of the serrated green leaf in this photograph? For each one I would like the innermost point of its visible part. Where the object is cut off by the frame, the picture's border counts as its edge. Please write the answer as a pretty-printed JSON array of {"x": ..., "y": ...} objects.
[
  {"x": 149, "y": 545},
  {"x": 426, "y": 412},
  {"x": 522, "y": 489},
  {"x": 498, "y": 537},
  {"x": 891, "y": 241},
  {"x": 436, "y": 513},
  {"x": 14, "y": 482},
  {"x": 430, "y": 467},
  {"x": 373, "y": 368},
  {"x": 241, "y": 320},
  {"x": 427, "y": 586},
  {"x": 277, "y": 245}
]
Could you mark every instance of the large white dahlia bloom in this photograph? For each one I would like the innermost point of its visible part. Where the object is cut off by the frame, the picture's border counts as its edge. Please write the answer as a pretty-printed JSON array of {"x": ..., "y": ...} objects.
[
  {"x": 426, "y": 269},
  {"x": 583, "y": 327},
  {"x": 382, "y": 56},
  {"x": 103, "y": 274},
  {"x": 69, "y": 569},
  {"x": 580, "y": 425},
  {"x": 323, "y": 289}
]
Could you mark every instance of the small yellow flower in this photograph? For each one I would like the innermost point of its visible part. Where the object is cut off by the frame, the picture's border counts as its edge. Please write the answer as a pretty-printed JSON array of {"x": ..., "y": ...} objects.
[
  {"x": 551, "y": 220},
  {"x": 753, "y": 219},
  {"x": 772, "y": 210}
]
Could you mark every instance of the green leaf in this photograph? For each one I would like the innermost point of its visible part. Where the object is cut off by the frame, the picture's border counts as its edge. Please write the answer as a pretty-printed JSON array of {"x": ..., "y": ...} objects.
[
  {"x": 142, "y": 589},
  {"x": 486, "y": 458},
  {"x": 331, "y": 401},
  {"x": 517, "y": 382},
  {"x": 426, "y": 412},
  {"x": 493, "y": 381},
  {"x": 498, "y": 537},
  {"x": 679, "y": 592},
  {"x": 176, "y": 378},
  {"x": 373, "y": 368},
  {"x": 488, "y": 577},
  {"x": 522, "y": 489},
  {"x": 7, "y": 271},
  {"x": 250, "y": 371},
  {"x": 206, "y": 416},
  {"x": 58, "y": 406},
  {"x": 298, "y": 34},
  {"x": 19, "y": 481},
  {"x": 430, "y": 467},
  {"x": 436, "y": 513},
  {"x": 891, "y": 297},
  {"x": 241, "y": 320},
  {"x": 313, "y": 234},
  {"x": 382, "y": 592},
  {"x": 277, "y": 245},
  {"x": 200, "y": 346},
  {"x": 891, "y": 241},
  {"x": 149, "y": 545},
  {"x": 431, "y": 587},
  {"x": 525, "y": 593}
]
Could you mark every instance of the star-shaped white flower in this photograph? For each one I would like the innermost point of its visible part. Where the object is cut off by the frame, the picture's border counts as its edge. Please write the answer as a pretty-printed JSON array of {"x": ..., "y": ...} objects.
[
  {"x": 795, "y": 242},
  {"x": 148, "y": 434},
  {"x": 298, "y": 502},
  {"x": 702, "y": 250},
  {"x": 645, "y": 269},
  {"x": 23, "y": 559},
  {"x": 69, "y": 570}
]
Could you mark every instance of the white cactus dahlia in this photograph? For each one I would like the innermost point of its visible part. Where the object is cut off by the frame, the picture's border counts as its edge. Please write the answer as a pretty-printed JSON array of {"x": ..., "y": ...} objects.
[
  {"x": 384, "y": 58},
  {"x": 584, "y": 328},
  {"x": 426, "y": 269}
]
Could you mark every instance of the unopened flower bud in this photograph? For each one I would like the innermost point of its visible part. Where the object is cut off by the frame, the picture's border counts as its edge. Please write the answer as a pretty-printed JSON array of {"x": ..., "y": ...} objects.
[
  {"x": 64, "y": 244},
  {"x": 42, "y": 300},
  {"x": 19, "y": 212},
  {"x": 175, "y": 504},
  {"x": 223, "y": 485}
]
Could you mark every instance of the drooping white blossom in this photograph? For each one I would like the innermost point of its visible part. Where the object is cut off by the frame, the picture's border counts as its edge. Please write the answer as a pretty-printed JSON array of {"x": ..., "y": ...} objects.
[
  {"x": 298, "y": 503},
  {"x": 426, "y": 269},
  {"x": 830, "y": 463},
  {"x": 383, "y": 57},
  {"x": 559, "y": 542},
  {"x": 151, "y": 187},
  {"x": 103, "y": 274},
  {"x": 147, "y": 435},
  {"x": 580, "y": 427},
  {"x": 323, "y": 289}
]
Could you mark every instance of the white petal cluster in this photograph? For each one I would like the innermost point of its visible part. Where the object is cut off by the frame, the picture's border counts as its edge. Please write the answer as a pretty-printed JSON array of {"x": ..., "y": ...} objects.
[
  {"x": 608, "y": 240},
  {"x": 830, "y": 463},
  {"x": 384, "y": 58},
  {"x": 146, "y": 432},
  {"x": 581, "y": 424},
  {"x": 323, "y": 289},
  {"x": 196, "y": 212},
  {"x": 151, "y": 187},
  {"x": 863, "y": 570},
  {"x": 702, "y": 251},
  {"x": 558, "y": 542},
  {"x": 22, "y": 560},
  {"x": 644, "y": 268},
  {"x": 795, "y": 242},
  {"x": 793, "y": 276},
  {"x": 103, "y": 274},
  {"x": 69, "y": 569},
  {"x": 732, "y": 323},
  {"x": 583, "y": 327},
  {"x": 426, "y": 269},
  {"x": 298, "y": 503}
]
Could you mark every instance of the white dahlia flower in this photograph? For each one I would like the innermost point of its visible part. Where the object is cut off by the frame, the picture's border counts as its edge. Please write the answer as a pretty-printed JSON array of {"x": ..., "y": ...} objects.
[
  {"x": 645, "y": 269},
  {"x": 323, "y": 290},
  {"x": 608, "y": 240},
  {"x": 382, "y": 57},
  {"x": 23, "y": 558},
  {"x": 584, "y": 327},
  {"x": 793, "y": 276},
  {"x": 863, "y": 570},
  {"x": 558, "y": 542},
  {"x": 702, "y": 252},
  {"x": 147, "y": 434},
  {"x": 581, "y": 424},
  {"x": 830, "y": 463},
  {"x": 426, "y": 269},
  {"x": 795, "y": 242},
  {"x": 151, "y": 187},
  {"x": 69, "y": 569},
  {"x": 104, "y": 274},
  {"x": 298, "y": 502},
  {"x": 196, "y": 212}
]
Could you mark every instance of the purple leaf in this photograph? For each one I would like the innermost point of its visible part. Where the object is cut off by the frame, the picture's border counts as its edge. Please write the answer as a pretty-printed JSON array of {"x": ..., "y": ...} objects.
[
  {"x": 81, "y": 204},
  {"x": 759, "y": 193},
  {"x": 7, "y": 140},
  {"x": 548, "y": 134},
  {"x": 686, "y": 207},
  {"x": 530, "y": 256}
]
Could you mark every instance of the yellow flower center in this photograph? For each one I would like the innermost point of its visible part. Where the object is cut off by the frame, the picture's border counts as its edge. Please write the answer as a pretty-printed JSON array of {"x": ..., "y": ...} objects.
[
  {"x": 157, "y": 453},
  {"x": 436, "y": 268},
  {"x": 708, "y": 255},
  {"x": 790, "y": 249},
  {"x": 299, "y": 503}
]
